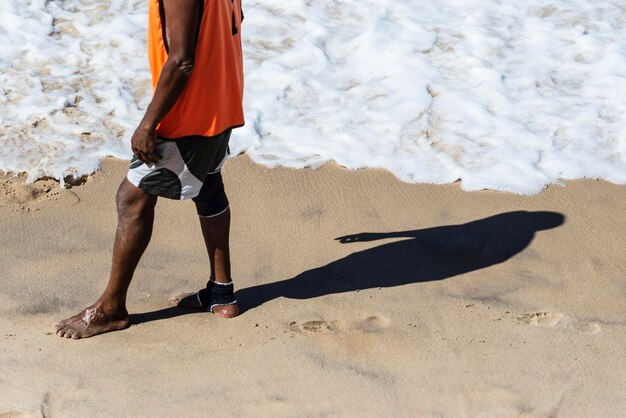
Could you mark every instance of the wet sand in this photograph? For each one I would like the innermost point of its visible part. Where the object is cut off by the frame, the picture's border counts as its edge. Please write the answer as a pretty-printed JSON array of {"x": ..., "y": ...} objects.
[{"x": 363, "y": 296}]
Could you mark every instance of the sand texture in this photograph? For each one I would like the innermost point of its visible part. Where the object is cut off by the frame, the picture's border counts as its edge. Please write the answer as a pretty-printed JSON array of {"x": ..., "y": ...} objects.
[{"x": 363, "y": 297}]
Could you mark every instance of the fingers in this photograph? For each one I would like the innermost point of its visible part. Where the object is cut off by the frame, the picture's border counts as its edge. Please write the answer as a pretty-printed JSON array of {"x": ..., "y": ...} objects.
[
  {"x": 149, "y": 158},
  {"x": 362, "y": 237},
  {"x": 346, "y": 239},
  {"x": 143, "y": 144},
  {"x": 146, "y": 157}
]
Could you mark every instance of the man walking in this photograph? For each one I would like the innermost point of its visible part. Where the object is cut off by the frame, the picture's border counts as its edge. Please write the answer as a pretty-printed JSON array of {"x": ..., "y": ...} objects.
[{"x": 194, "y": 49}]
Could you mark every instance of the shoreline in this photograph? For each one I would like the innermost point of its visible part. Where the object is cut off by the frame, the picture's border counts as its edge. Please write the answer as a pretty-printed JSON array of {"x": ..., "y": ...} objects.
[{"x": 8, "y": 178}]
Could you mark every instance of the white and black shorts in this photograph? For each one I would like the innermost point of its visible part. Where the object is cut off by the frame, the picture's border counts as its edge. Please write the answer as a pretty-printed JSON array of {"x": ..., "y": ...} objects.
[{"x": 184, "y": 165}]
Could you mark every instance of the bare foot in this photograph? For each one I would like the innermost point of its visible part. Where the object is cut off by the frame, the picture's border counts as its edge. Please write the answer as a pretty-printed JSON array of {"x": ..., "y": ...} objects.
[
  {"x": 190, "y": 300},
  {"x": 226, "y": 311},
  {"x": 91, "y": 321}
]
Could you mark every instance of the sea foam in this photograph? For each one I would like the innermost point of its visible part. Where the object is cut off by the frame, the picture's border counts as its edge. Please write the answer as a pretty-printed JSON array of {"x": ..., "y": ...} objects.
[{"x": 502, "y": 95}]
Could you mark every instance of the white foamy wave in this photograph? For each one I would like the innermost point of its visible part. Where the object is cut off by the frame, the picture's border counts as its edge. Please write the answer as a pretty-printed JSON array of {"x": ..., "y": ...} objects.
[
  {"x": 502, "y": 95},
  {"x": 72, "y": 76}
]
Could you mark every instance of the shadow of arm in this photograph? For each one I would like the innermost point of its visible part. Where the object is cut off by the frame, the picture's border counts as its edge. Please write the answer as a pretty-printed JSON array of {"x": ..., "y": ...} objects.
[{"x": 373, "y": 236}]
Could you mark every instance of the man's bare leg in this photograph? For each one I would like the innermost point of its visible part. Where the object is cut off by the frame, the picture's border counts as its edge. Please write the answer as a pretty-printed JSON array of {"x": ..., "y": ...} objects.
[
  {"x": 216, "y": 232},
  {"x": 135, "y": 210}
]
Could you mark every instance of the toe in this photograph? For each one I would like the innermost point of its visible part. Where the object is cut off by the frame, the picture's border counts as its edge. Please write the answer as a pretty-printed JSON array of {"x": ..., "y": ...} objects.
[
  {"x": 187, "y": 300},
  {"x": 175, "y": 300},
  {"x": 64, "y": 323}
]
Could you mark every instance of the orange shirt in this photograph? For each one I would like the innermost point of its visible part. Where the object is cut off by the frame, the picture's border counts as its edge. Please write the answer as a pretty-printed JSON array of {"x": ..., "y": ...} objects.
[{"x": 211, "y": 101}]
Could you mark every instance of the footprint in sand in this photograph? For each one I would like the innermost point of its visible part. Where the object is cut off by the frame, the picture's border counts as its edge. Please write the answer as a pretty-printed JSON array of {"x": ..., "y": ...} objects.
[
  {"x": 370, "y": 324},
  {"x": 312, "y": 327},
  {"x": 544, "y": 319},
  {"x": 373, "y": 323},
  {"x": 553, "y": 319}
]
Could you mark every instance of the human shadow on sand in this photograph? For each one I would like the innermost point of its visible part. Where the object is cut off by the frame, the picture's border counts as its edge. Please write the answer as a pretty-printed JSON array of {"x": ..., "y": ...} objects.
[
  {"x": 423, "y": 255},
  {"x": 419, "y": 255}
]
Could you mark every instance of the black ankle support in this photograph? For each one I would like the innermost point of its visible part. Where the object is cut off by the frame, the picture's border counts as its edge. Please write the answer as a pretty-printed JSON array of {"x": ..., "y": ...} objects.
[{"x": 217, "y": 294}]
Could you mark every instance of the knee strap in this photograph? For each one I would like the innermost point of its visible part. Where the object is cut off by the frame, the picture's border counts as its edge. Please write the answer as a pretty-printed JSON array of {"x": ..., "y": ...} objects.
[{"x": 212, "y": 200}]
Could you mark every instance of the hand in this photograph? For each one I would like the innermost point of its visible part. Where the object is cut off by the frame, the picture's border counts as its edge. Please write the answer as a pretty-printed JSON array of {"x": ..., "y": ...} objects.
[
  {"x": 143, "y": 144},
  {"x": 362, "y": 237}
]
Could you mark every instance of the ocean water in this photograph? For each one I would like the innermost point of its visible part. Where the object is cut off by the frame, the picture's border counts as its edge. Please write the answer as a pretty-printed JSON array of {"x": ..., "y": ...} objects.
[{"x": 502, "y": 95}]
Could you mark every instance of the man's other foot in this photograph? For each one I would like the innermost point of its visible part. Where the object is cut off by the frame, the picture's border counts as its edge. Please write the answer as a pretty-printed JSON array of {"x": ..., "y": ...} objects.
[
  {"x": 190, "y": 300},
  {"x": 91, "y": 321}
]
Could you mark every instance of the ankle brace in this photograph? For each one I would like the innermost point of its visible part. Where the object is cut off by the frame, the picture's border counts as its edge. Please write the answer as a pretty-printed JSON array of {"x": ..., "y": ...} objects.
[{"x": 216, "y": 294}]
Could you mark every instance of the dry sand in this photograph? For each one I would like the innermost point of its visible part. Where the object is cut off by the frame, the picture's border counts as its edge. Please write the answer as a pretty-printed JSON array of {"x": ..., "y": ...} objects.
[{"x": 440, "y": 303}]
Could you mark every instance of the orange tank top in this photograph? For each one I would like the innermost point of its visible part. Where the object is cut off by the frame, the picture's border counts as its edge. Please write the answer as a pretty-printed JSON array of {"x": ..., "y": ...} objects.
[{"x": 211, "y": 101}]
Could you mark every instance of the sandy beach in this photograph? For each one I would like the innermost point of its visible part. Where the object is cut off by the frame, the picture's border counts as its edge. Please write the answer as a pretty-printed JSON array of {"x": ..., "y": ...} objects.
[{"x": 363, "y": 296}]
